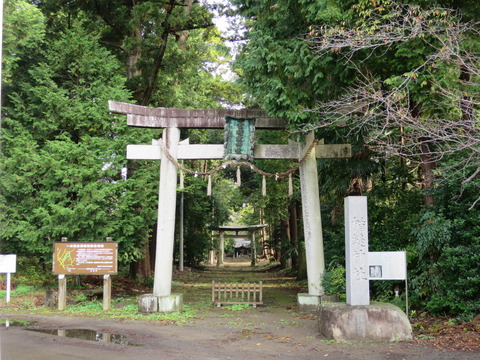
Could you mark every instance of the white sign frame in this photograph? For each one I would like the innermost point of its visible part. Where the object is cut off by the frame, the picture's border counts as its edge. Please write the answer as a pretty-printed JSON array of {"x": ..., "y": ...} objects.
[
  {"x": 8, "y": 264},
  {"x": 387, "y": 265}
]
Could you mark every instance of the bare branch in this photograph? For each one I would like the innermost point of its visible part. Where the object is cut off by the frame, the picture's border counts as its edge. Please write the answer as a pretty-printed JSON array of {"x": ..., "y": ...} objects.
[{"x": 445, "y": 122}]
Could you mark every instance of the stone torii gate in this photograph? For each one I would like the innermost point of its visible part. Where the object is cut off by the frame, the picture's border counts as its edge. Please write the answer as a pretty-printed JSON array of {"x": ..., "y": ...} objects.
[{"x": 171, "y": 120}]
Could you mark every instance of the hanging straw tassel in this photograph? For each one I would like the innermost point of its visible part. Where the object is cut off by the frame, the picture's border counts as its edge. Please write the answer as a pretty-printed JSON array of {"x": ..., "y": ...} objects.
[
  {"x": 182, "y": 178},
  {"x": 239, "y": 176},
  {"x": 209, "y": 186},
  {"x": 264, "y": 186},
  {"x": 290, "y": 185}
]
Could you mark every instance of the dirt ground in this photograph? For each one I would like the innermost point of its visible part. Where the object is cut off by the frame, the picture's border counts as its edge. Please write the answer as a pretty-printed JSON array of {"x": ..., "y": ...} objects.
[{"x": 275, "y": 330}]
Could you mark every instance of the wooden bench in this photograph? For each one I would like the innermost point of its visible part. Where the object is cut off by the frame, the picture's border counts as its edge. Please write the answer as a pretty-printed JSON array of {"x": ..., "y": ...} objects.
[{"x": 235, "y": 293}]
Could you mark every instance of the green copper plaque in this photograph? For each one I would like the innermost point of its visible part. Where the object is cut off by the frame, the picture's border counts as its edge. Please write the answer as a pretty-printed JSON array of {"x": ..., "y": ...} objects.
[{"x": 239, "y": 138}]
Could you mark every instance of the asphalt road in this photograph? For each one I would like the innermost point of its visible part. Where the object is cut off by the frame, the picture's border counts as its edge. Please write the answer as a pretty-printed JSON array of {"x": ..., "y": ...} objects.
[{"x": 254, "y": 334}]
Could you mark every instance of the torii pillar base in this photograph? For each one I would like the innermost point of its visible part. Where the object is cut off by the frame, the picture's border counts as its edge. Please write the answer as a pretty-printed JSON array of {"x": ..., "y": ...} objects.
[
  {"x": 149, "y": 303},
  {"x": 308, "y": 303}
]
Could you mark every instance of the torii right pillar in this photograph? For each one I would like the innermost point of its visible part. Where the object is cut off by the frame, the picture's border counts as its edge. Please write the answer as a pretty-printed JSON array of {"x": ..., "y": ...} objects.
[{"x": 312, "y": 224}]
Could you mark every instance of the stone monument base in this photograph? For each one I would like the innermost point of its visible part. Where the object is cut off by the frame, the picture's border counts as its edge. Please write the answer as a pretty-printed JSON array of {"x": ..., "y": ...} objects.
[
  {"x": 380, "y": 321},
  {"x": 149, "y": 303}
]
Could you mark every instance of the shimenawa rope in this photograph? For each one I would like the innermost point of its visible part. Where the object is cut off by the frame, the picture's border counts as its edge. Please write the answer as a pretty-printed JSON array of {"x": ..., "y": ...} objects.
[{"x": 238, "y": 164}]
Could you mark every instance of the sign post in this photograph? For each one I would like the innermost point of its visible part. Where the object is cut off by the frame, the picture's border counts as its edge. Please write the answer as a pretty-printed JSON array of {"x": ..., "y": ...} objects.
[
  {"x": 62, "y": 287},
  {"x": 8, "y": 264},
  {"x": 107, "y": 288}
]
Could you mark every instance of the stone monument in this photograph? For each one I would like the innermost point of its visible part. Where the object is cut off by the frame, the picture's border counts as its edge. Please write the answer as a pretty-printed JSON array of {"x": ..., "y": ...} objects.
[
  {"x": 356, "y": 250},
  {"x": 358, "y": 319}
]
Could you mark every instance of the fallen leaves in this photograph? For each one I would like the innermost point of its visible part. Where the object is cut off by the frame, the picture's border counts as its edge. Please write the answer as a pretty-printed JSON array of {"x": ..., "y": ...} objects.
[{"x": 443, "y": 333}]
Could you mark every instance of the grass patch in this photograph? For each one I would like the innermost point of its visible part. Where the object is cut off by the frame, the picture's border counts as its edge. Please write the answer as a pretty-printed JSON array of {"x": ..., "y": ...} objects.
[
  {"x": 19, "y": 291},
  {"x": 289, "y": 323},
  {"x": 129, "y": 312},
  {"x": 238, "y": 307}
]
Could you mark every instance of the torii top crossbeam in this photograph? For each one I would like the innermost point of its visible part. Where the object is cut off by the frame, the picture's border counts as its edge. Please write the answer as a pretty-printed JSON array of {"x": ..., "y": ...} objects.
[
  {"x": 142, "y": 116},
  {"x": 240, "y": 228}
]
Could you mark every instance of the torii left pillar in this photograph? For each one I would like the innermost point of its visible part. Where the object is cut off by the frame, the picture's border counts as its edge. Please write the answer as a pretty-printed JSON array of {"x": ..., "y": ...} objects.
[
  {"x": 162, "y": 300},
  {"x": 312, "y": 223}
]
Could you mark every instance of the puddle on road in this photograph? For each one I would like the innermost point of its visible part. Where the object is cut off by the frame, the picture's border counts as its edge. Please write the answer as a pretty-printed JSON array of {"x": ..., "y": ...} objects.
[{"x": 87, "y": 334}]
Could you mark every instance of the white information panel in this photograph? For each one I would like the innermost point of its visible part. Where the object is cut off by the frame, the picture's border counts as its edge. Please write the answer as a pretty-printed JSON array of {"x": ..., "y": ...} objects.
[
  {"x": 387, "y": 265},
  {"x": 8, "y": 263}
]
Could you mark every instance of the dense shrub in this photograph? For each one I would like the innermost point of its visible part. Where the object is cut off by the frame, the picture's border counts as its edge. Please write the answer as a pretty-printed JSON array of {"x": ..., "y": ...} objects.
[
  {"x": 334, "y": 282},
  {"x": 458, "y": 292}
]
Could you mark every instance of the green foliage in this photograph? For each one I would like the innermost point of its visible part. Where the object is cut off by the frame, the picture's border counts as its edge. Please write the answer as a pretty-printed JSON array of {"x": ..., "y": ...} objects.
[
  {"x": 32, "y": 272},
  {"x": 197, "y": 218},
  {"x": 63, "y": 153},
  {"x": 334, "y": 282},
  {"x": 238, "y": 307},
  {"x": 433, "y": 233},
  {"x": 57, "y": 126},
  {"x": 229, "y": 247},
  {"x": 276, "y": 65},
  {"x": 459, "y": 291},
  {"x": 21, "y": 289},
  {"x": 93, "y": 307},
  {"x": 80, "y": 297},
  {"x": 71, "y": 150},
  {"x": 392, "y": 217},
  {"x": 169, "y": 50},
  {"x": 23, "y": 33},
  {"x": 285, "y": 77}
]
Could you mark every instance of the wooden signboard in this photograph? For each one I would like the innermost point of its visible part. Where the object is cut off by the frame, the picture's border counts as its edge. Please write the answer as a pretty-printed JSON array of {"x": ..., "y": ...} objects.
[{"x": 85, "y": 258}]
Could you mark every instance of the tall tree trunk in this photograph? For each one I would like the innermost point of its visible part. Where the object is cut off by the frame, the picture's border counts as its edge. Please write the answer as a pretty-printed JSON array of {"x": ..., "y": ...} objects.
[
  {"x": 263, "y": 234},
  {"x": 277, "y": 235},
  {"x": 302, "y": 262},
  {"x": 160, "y": 53},
  {"x": 427, "y": 165},
  {"x": 294, "y": 232},
  {"x": 285, "y": 259},
  {"x": 182, "y": 38},
  {"x": 133, "y": 56},
  {"x": 152, "y": 76},
  {"x": 142, "y": 269}
]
